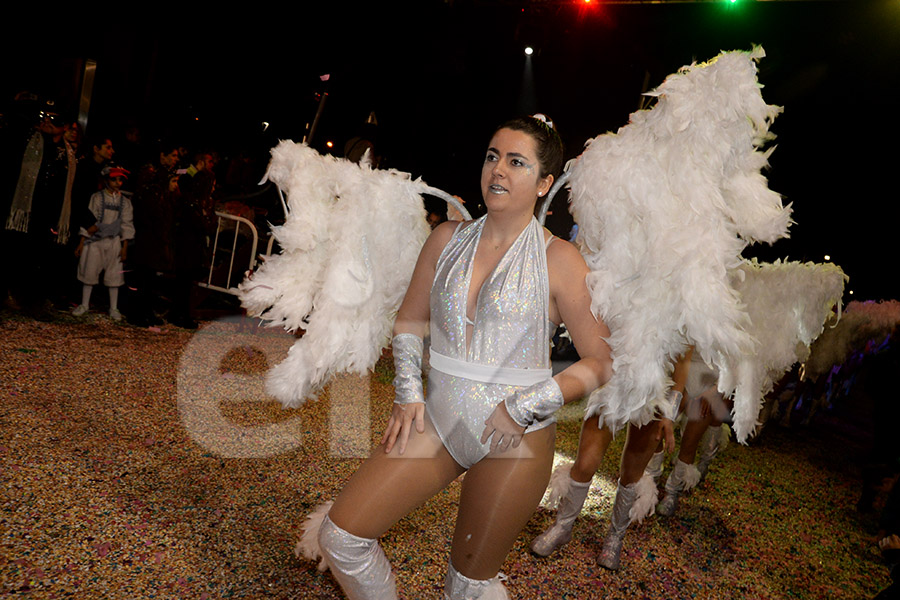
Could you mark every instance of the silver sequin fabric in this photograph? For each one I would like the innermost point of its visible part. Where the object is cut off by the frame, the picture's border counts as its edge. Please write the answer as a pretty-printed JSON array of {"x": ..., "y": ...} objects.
[{"x": 512, "y": 328}]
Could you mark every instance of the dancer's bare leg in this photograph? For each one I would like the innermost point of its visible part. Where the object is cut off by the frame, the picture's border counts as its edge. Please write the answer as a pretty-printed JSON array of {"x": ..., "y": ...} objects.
[
  {"x": 572, "y": 486},
  {"x": 706, "y": 411},
  {"x": 499, "y": 495},
  {"x": 591, "y": 447},
  {"x": 388, "y": 486},
  {"x": 640, "y": 444},
  {"x": 690, "y": 439}
]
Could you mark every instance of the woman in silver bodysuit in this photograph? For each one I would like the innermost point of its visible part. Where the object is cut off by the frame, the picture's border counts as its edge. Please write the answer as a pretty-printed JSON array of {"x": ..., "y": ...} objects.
[{"x": 491, "y": 292}]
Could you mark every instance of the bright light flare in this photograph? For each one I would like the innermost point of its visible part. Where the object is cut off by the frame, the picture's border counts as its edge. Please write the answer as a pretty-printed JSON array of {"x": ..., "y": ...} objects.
[{"x": 529, "y": 50}]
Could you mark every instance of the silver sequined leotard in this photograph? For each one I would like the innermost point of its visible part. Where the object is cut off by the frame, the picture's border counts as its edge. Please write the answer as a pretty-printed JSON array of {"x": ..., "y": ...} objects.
[{"x": 510, "y": 345}]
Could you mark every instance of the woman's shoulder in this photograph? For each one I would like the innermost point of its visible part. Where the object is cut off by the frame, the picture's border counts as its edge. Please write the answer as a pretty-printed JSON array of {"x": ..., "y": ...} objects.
[
  {"x": 564, "y": 259},
  {"x": 559, "y": 249},
  {"x": 440, "y": 237}
]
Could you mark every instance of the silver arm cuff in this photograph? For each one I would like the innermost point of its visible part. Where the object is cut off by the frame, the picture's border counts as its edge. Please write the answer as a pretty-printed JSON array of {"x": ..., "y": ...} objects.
[
  {"x": 408, "y": 348},
  {"x": 537, "y": 401},
  {"x": 669, "y": 407}
]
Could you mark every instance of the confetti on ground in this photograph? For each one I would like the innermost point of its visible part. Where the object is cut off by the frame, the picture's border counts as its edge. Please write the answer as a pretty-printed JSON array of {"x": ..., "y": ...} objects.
[{"x": 113, "y": 487}]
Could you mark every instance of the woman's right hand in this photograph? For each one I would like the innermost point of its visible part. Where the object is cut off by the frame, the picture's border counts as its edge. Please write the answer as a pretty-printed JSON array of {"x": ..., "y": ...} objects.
[{"x": 403, "y": 416}]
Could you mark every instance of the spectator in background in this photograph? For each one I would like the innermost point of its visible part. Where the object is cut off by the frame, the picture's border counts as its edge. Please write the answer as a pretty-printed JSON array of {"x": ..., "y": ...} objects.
[
  {"x": 39, "y": 216},
  {"x": 87, "y": 178},
  {"x": 435, "y": 218},
  {"x": 197, "y": 184},
  {"x": 129, "y": 152},
  {"x": 153, "y": 257},
  {"x": 104, "y": 245},
  {"x": 194, "y": 226},
  {"x": 74, "y": 136}
]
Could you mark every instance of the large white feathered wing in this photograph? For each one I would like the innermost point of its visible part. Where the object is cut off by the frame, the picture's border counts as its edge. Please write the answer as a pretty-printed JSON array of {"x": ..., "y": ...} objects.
[
  {"x": 788, "y": 304},
  {"x": 665, "y": 206},
  {"x": 349, "y": 243}
]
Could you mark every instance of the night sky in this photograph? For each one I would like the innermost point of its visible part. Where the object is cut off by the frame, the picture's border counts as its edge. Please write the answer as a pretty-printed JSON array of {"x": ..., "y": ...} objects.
[{"x": 440, "y": 75}]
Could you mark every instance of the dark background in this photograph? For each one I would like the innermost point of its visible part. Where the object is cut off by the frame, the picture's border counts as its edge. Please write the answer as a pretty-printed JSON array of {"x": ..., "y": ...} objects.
[{"x": 440, "y": 75}]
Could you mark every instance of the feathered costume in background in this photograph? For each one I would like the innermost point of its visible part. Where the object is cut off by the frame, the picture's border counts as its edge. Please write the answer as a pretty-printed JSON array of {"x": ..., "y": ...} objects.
[
  {"x": 788, "y": 304},
  {"x": 864, "y": 325},
  {"x": 349, "y": 243},
  {"x": 665, "y": 207}
]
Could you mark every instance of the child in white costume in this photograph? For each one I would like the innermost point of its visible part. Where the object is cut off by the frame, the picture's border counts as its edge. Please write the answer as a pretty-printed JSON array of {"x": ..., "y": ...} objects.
[{"x": 104, "y": 245}]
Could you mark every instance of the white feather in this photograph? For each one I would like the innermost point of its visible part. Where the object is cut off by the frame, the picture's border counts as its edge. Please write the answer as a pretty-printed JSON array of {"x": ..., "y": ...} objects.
[
  {"x": 308, "y": 546},
  {"x": 496, "y": 590},
  {"x": 691, "y": 478},
  {"x": 788, "y": 304},
  {"x": 349, "y": 243},
  {"x": 665, "y": 206},
  {"x": 645, "y": 503},
  {"x": 560, "y": 482}
]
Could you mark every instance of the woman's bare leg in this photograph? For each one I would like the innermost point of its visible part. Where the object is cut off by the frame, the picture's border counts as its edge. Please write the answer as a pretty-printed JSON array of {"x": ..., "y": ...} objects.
[
  {"x": 499, "y": 495},
  {"x": 690, "y": 439},
  {"x": 640, "y": 444},
  {"x": 389, "y": 486},
  {"x": 571, "y": 484},
  {"x": 700, "y": 418},
  {"x": 591, "y": 447}
]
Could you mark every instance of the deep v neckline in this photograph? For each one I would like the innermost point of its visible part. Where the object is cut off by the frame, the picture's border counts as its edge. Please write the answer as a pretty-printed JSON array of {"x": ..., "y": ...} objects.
[{"x": 470, "y": 322}]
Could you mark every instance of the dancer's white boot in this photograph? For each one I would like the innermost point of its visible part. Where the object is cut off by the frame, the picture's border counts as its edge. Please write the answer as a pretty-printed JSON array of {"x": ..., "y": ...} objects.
[
  {"x": 358, "y": 564},
  {"x": 682, "y": 478},
  {"x": 459, "y": 587},
  {"x": 571, "y": 495},
  {"x": 618, "y": 525}
]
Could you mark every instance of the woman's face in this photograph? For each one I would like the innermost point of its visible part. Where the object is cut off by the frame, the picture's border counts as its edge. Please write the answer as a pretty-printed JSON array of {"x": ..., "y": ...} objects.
[
  {"x": 510, "y": 177},
  {"x": 71, "y": 133}
]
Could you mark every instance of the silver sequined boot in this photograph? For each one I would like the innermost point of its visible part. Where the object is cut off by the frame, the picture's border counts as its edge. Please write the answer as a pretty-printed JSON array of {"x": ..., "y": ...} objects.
[
  {"x": 358, "y": 564},
  {"x": 459, "y": 587},
  {"x": 708, "y": 450},
  {"x": 682, "y": 478},
  {"x": 618, "y": 525},
  {"x": 572, "y": 495},
  {"x": 655, "y": 466}
]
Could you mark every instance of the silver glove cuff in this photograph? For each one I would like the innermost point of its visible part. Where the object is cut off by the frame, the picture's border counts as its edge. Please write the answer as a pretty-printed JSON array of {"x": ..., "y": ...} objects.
[
  {"x": 537, "y": 401},
  {"x": 408, "y": 348},
  {"x": 671, "y": 404}
]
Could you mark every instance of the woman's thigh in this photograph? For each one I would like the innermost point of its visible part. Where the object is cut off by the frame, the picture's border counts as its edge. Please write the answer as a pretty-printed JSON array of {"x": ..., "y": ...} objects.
[
  {"x": 499, "y": 495},
  {"x": 386, "y": 487}
]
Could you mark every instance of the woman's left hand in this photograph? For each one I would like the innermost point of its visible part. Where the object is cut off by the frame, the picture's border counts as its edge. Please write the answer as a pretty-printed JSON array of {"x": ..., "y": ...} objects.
[
  {"x": 666, "y": 432},
  {"x": 503, "y": 431}
]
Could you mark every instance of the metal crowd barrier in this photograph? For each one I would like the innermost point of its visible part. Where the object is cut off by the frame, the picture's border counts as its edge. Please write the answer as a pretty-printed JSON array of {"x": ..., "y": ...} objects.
[{"x": 223, "y": 218}]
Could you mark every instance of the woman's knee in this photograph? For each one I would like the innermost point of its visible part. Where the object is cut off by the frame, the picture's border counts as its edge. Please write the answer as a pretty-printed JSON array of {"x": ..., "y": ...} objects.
[{"x": 642, "y": 440}]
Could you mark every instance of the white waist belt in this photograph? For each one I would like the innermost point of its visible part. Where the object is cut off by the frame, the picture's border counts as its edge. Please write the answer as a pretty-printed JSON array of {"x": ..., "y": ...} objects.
[{"x": 487, "y": 373}]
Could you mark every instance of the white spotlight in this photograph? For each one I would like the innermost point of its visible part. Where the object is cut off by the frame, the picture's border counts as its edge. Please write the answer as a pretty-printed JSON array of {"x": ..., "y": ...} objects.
[{"x": 529, "y": 50}]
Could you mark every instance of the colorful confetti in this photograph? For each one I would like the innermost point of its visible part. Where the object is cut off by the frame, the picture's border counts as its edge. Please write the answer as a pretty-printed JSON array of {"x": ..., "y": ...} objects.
[{"x": 106, "y": 493}]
